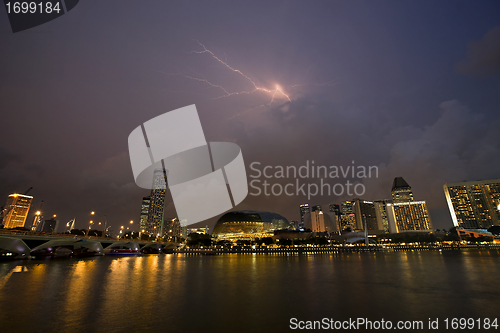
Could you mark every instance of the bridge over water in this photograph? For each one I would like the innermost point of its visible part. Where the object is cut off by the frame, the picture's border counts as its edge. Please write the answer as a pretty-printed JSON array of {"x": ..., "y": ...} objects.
[{"x": 23, "y": 246}]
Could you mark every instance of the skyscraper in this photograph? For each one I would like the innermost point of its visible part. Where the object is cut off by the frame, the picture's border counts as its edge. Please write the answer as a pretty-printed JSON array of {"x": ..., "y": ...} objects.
[
  {"x": 405, "y": 214},
  {"x": 408, "y": 216},
  {"x": 157, "y": 204},
  {"x": 16, "y": 210},
  {"x": 143, "y": 221},
  {"x": 364, "y": 212},
  {"x": 172, "y": 229},
  {"x": 335, "y": 209},
  {"x": 316, "y": 208},
  {"x": 346, "y": 207},
  {"x": 401, "y": 191},
  {"x": 304, "y": 209},
  {"x": 347, "y": 217},
  {"x": 319, "y": 221},
  {"x": 474, "y": 205},
  {"x": 381, "y": 214}
]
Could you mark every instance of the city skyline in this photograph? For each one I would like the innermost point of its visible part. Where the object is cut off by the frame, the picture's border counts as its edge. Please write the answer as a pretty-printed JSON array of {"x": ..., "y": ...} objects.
[
  {"x": 352, "y": 82},
  {"x": 268, "y": 165}
]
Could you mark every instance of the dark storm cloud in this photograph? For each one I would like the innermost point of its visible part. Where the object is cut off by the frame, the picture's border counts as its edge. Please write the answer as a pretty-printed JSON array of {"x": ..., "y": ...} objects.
[
  {"x": 483, "y": 56},
  {"x": 18, "y": 173},
  {"x": 460, "y": 145},
  {"x": 70, "y": 98},
  {"x": 7, "y": 157}
]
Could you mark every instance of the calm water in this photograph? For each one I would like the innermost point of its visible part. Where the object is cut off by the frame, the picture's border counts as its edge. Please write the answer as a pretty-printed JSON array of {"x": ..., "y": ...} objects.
[{"x": 244, "y": 293}]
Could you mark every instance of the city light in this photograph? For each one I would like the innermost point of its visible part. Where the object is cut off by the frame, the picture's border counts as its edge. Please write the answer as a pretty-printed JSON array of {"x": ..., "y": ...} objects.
[{"x": 104, "y": 229}]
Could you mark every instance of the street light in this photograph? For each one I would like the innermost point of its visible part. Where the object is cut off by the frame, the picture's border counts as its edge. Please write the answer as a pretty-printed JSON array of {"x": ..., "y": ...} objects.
[
  {"x": 105, "y": 222},
  {"x": 90, "y": 225}
]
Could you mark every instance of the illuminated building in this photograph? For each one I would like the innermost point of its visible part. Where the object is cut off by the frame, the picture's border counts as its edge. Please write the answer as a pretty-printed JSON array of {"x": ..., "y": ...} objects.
[
  {"x": 347, "y": 217},
  {"x": 401, "y": 191},
  {"x": 304, "y": 209},
  {"x": 154, "y": 225},
  {"x": 474, "y": 205},
  {"x": 346, "y": 207},
  {"x": 364, "y": 212},
  {"x": 335, "y": 209},
  {"x": 405, "y": 214},
  {"x": 16, "y": 210},
  {"x": 172, "y": 228},
  {"x": 319, "y": 221},
  {"x": 408, "y": 216},
  {"x": 247, "y": 224},
  {"x": 143, "y": 221},
  {"x": 381, "y": 214},
  {"x": 348, "y": 220},
  {"x": 201, "y": 231}
]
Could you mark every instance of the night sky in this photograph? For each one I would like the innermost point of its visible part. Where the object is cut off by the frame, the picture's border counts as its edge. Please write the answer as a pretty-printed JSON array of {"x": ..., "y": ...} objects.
[{"x": 411, "y": 87}]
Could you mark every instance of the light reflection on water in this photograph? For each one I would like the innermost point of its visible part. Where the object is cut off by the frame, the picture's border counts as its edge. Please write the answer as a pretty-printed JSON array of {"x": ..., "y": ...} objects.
[{"x": 246, "y": 292}]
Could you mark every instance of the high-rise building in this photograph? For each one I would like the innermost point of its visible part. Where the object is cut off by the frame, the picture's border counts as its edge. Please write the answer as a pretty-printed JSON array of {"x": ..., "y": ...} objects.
[
  {"x": 143, "y": 221},
  {"x": 316, "y": 208},
  {"x": 474, "y": 205},
  {"x": 157, "y": 204},
  {"x": 172, "y": 229},
  {"x": 346, "y": 207},
  {"x": 304, "y": 209},
  {"x": 348, "y": 221},
  {"x": 335, "y": 209},
  {"x": 401, "y": 191},
  {"x": 408, "y": 216},
  {"x": 405, "y": 214},
  {"x": 16, "y": 210},
  {"x": 347, "y": 217},
  {"x": 381, "y": 214},
  {"x": 364, "y": 212},
  {"x": 319, "y": 221}
]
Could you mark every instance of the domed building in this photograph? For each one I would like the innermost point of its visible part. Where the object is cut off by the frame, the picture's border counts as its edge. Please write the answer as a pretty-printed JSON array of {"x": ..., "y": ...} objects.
[{"x": 248, "y": 224}]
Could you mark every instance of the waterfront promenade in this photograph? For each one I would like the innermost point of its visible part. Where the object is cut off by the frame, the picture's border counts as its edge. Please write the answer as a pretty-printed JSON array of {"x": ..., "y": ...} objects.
[{"x": 333, "y": 249}]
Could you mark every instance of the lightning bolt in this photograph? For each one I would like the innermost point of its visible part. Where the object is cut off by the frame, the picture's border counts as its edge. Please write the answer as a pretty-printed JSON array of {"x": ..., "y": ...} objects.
[
  {"x": 274, "y": 93},
  {"x": 227, "y": 93},
  {"x": 256, "y": 88}
]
